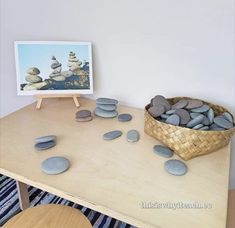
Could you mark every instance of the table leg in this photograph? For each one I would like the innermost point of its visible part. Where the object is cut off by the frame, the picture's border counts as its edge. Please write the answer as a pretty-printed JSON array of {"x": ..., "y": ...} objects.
[{"x": 23, "y": 195}]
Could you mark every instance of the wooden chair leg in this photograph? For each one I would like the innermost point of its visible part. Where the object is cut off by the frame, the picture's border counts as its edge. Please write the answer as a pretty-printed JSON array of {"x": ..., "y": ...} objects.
[
  {"x": 39, "y": 102},
  {"x": 23, "y": 195}
]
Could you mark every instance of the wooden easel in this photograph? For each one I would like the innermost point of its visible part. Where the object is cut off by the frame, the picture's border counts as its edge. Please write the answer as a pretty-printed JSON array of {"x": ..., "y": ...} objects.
[{"x": 39, "y": 98}]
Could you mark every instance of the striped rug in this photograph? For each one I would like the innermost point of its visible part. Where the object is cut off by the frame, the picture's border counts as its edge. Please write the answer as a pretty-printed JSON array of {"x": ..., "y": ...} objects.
[{"x": 9, "y": 205}]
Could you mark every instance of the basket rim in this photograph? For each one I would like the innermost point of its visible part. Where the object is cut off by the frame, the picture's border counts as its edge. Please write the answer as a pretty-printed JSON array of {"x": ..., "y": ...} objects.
[{"x": 189, "y": 129}]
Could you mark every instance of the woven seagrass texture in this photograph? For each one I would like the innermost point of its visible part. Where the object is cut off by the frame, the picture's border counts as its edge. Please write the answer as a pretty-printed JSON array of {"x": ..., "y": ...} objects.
[{"x": 185, "y": 142}]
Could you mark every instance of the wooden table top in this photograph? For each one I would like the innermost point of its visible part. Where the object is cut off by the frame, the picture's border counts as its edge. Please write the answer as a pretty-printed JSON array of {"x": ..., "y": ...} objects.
[{"x": 117, "y": 178}]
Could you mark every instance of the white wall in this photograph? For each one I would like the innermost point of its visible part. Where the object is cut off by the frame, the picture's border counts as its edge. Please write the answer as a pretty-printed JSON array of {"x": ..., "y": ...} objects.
[{"x": 141, "y": 48}]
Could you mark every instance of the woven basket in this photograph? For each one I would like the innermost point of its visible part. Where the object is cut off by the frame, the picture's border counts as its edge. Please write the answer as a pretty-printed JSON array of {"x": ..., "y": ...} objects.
[{"x": 185, "y": 142}]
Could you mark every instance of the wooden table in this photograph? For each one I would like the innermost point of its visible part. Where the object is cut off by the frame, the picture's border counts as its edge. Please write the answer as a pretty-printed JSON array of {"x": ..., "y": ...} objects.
[{"x": 117, "y": 178}]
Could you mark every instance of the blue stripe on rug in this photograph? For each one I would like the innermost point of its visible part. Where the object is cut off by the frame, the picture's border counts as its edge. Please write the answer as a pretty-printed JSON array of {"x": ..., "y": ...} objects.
[{"x": 9, "y": 205}]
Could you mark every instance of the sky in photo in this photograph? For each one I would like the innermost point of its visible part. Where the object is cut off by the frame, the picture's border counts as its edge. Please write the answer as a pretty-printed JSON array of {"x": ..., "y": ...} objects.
[{"x": 39, "y": 55}]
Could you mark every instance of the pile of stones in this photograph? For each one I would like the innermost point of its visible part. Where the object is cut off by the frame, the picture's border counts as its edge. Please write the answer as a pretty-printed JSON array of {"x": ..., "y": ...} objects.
[
  {"x": 106, "y": 107},
  {"x": 83, "y": 116},
  {"x": 45, "y": 142},
  {"x": 189, "y": 113}
]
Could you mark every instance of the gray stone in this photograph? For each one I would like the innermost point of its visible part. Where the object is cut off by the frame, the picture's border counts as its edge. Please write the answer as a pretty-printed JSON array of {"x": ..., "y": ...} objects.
[
  {"x": 180, "y": 104},
  {"x": 222, "y": 122},
  {"x": 198, "y": 126},
  {"x": 172, "y": 111},
  {"x": 33, "y": 71},
  {"x": 33, "y": 78},
  {"x": 55, "y": 165},
  {"x": 112, "y": 135},
  {"x": 45, "y": 145},
  {"x": 204, "y": 128},
  {"x": 215, "y": 127},
  {"x": 184, "y": 116},
  {"x": 194, "y": 104},
  {"x": 107, "y": 107},
  {"x": 156, "y": 110},
  {"x": 84, "y": 119},
  {"x": 83, "y": 114},
  {"x": 228, "y": 116},
  {"x": 45, "y": 138},
  {"x": 194, "y": 115},
  {"x": 164, "y": 116},
  {"x": 55, "y": 65},
  {"x": 206, "y": 121},
  {"x": 176, "y": 167},
  {"x": 160, "y": 100},
  {"x": 125, "y": 117},
  {"x": 106, "y": 101},
  {"x": 173, "y": 119},
  {"x": 133, "y": 136},
  {"x": 105, "y": 114},
  {"x": 211, "y": 115},
  {"x": 201, "y": 109},
  {"x": 197, "y": 120},
  {"x": 163, "y": 151}
]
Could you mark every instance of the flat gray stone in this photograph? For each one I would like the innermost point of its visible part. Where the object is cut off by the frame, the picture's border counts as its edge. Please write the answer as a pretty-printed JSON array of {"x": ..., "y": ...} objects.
[
  {"x": 228, "y": 116},
  {"x": 125, "y": 117},
  {"x": 107, "y": 107},
  {"x": 203, "y": 108},
  {"x": 133, "y": 136},
  {"x": 205, "y": 128},
  {"x": 197, "y": 120},
  {"x": 206, "y": 121},
  {"x": 45, "y": 145},
  {"x": 86, "y": 119},
  {"x": 194, "y": 115},
  {"x": 83, "y": 114},
  {"x": 176, "y": 167},
  {"x": 180, "y": 104},
  {"x": 156, "y": 110},
  {"x": 46, "y": 138},
  {"x": 173, "y": 119},
  {"x": 194, "y": 104},
  {"x": 222, "y": 122},
  {"x": 55, "y": 165},
  {"x": 164, "y": 116},
  {"x": 106, "y": 101},
  {"x": 211, "y": 115},
  {"x": 184, "y": 116},
  {"x": 112, "y": 135},
  {"x": 160, "y": 100},
  {"x": 105, "y": 114},
  {"x": 163, "y": 151},
  {"x": 170, "y": 112},
  {"x": 198, "y": 126},
  {"x": 215, "y": 127}
]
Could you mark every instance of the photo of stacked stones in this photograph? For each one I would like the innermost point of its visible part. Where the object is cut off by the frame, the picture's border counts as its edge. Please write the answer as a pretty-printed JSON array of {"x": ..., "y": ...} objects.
[
  {"x": 106, "y": 107},
  {"x": 76, "y": 77},
  {"x": 45, "y": 142},
  {"x": 189, "y": 113}
]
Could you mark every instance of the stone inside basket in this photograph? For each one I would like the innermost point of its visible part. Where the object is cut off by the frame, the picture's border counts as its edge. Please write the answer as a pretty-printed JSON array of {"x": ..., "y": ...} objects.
[{"x": 185, "y": 142}]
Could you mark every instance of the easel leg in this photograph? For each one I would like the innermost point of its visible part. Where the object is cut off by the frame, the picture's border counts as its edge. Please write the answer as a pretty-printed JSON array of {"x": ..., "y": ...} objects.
[
  {"x": 39, "y": 102},
  {"x": 76, "y": 101},
  {"x": 23, "y": 195}
]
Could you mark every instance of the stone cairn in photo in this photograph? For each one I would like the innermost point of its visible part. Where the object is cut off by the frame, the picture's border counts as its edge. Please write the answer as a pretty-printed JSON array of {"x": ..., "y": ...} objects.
[
  {"x": 189, "y": 113},
  {"x": 74, "y": 64},
  {"x": 35, "y": 81},
  {"x": 106, "y": 107},
  {"x": 56, "y": 73}
]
